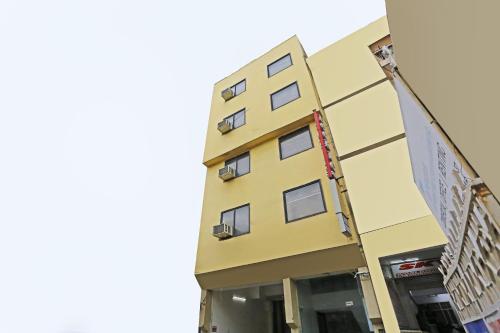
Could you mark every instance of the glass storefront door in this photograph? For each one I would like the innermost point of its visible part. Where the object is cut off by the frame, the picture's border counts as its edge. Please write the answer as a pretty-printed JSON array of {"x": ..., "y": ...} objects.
[{"x": 331, "y": 304}]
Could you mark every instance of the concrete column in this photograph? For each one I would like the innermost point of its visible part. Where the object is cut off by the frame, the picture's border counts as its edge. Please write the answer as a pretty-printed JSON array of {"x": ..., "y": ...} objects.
[
  {"x": 205, "y": 310},
  {"x": 291, "y": 305}
]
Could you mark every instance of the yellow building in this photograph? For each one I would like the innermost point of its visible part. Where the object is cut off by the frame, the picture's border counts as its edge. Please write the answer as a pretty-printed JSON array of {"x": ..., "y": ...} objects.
[{"x": 310, "y": 216}]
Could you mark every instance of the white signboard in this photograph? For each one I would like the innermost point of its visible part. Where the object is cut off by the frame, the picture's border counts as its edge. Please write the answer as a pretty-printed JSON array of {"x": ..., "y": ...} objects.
[
  {"x": 436, "y": 167},
  {"x": 415, "y": 268}
]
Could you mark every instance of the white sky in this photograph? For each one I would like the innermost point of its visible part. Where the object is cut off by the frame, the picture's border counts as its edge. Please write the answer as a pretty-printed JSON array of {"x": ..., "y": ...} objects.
[{"x": 103, "y": 112}]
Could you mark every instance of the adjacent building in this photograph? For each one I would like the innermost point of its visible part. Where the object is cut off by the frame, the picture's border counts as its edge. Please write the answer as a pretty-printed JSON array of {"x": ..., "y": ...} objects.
[
  {"x": 311, "y": 219},
  {"x": 446, "y": 75}
]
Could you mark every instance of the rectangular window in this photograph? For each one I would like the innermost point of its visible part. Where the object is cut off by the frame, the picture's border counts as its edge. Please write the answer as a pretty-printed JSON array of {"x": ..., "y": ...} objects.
[
  {"x": 236, "y": 119},
  {"x": 285, "y": 95},
  {"x": 279, "y": 65},
  {"x": 238, "y": 218},
  {"x": 239, "y": 87},
  {"x": 304, "y": 201},
  {"x": 241, "y": 164},
  {"x": 295, "y": 142}
]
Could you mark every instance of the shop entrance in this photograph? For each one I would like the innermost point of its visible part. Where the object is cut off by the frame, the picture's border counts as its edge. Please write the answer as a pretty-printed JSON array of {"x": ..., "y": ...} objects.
[
  {"x": 332, "y": 304},
  {"x": 420, "y": 301},
  {"x": 337, "y": 321},
  {"x": 249, "y": 310},
  {"x": 279, "y": 320}
]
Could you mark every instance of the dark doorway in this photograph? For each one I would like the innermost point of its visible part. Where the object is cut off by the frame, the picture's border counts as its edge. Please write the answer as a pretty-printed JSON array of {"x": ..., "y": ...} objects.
[
  {"x": 338, "y": 322},
  {"x": 438, "y": 317},
  {"x": 279, "y": 319}
]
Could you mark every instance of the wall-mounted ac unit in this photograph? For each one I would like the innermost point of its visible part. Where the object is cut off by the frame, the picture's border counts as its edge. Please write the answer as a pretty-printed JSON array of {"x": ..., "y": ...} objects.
[
  {"x": 224, "y": 126},
  {"x": 227, "y": 173},
  {"x": 384, "y": 62},
  {"x": 222, "y": 231},
  {"x": 227, "y": 94}
]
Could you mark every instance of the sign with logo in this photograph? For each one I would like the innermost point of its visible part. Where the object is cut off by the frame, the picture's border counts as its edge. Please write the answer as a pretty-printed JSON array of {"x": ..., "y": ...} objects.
[
  {"x": 415, "y": 268},
  {"x": 330, "y": 170}
]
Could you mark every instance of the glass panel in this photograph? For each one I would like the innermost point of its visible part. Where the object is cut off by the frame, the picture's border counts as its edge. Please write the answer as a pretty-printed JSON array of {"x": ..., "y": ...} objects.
[
  {"x": 242, "y": 220},
  {"x": 304, "y": 201},
  {"x": 331, "y": 304},
  {"x": 231, "y": 120},
  {"x": 240, "y": 87},
  {"x": 231, "y": 163},
  {"x": 285, "y": 96},
  {"x": 295, "y": 143},
  {"x": 239, "y": 119},
  {"x": 243, "y": 165},
  {"x": 228, "y": 218},
  {"x": 279, "y": 65}
]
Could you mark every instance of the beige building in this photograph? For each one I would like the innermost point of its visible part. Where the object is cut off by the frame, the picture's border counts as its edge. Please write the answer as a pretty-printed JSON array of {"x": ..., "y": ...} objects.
[{"x": 311, "y": 220}]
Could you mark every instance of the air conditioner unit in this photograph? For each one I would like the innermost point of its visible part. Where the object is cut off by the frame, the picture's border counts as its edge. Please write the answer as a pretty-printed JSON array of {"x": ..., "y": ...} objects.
[
  {"x": 224, "y": 126},
  {"x": 384, "y": 62},
  {"x": 227, "y": 94},
  {"x": 222, "y": 231},
  {"x": 227, "y": 173}
]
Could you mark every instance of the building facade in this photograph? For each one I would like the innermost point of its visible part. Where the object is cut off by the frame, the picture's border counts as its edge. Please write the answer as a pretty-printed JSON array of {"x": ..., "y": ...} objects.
[
  {"x": 448, "y": 107},
  {"x": 311, "y": 220}
]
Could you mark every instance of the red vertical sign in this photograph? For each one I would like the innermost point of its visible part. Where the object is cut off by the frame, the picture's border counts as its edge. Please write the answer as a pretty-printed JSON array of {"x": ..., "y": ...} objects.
[{"x": 324, "y": 143}]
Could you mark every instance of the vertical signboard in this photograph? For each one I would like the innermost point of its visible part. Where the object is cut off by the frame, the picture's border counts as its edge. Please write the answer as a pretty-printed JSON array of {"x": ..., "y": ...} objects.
[
  {"x": 458, "y": 200},
  {"x": 437, "y": 170},
  {"x": 324, "y": 145}
]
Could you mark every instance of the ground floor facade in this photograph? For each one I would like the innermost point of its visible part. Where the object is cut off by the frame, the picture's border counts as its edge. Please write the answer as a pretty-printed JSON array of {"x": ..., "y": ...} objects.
[{"x": 396, "y": 287}]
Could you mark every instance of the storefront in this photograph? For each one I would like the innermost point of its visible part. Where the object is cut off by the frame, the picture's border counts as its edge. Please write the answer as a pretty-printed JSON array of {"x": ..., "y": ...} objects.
[
  {"x": 420, "y": 301},
  {"x": 325, "y": 304},
  {"x": 248, "y": 310},
  {"x": 332, "y": 304}
]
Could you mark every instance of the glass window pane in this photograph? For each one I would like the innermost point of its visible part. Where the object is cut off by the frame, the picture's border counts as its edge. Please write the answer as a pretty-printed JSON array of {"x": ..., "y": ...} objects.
[
  {"x": 231, "y": 120},
  {"x": 295, "y": 143},
  {"x": 304, "y": 201},
  {"x": 239, "y": 119},
  {"x": 285, "y": 96},
  {"x": 279, "y": 65},
  {"x": 243, "y": 165},
  {"x": 242, "y": 220},
  {"x": 325, "y": 309},
  {"x": 231, "y": 163},
  {"x": 240, "y": 87},
  {"x": 228, "y": 218}
]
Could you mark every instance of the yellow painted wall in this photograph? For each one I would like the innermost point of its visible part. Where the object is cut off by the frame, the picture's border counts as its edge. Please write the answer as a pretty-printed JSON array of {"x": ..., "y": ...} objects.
[
  {"x": 256, "y": 99},
  {"x": 270, "y": 237},
  {"x": 412, "y": 235},
  {"x": 381, "y": 187},
  {"x": 366, "y": 118},
  {"x": 363, "y": 112},
  {"x": 348, "y": 65},
  {"x": 337, "y": 259},
  {"x": 448, "y": 53},
  {"x": 379, "y": 181}
]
